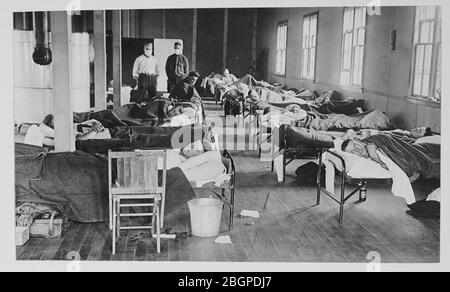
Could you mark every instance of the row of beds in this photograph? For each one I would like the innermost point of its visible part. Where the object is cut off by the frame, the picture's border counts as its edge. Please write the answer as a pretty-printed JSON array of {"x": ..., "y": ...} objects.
[
  {"x": 134, "y": 129},
  {"x": 290, "y": 141}
]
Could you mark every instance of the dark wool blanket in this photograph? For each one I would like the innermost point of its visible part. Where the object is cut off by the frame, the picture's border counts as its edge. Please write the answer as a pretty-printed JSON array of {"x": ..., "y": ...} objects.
[
  {"x": 410, "y": 157},
  {"x": 300, "y": 137},
  {"x": 76, "y": 183},
  {"x": 136, "y": 137},
  {"x": 153, "y": 114},
  {"x": 339, "y": 122}
]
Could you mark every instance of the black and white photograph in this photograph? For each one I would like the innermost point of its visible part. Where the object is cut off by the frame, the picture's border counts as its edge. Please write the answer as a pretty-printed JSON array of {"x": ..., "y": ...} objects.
[{"x": 300, "y": 133}]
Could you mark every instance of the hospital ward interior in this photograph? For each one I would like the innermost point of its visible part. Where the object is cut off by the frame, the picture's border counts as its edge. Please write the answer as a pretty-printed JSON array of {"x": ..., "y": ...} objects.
[{"x": 275, "y": 135}]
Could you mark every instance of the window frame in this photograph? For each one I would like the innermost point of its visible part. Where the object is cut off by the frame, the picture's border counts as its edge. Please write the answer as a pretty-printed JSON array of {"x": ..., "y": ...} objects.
[
  {"x": 277, "y": 72},
  {"x": 436, "y": 48},
  {"x": 354, "y": 31},
  {"x": 309, "y": 78}
]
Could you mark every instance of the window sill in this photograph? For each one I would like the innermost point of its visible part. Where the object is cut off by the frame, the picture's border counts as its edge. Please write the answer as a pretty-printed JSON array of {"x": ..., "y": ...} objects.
[
  {"x": 355, "y": 89},
  {"x": 308, "y": 80},
  {"x": 423, "y": 101}
]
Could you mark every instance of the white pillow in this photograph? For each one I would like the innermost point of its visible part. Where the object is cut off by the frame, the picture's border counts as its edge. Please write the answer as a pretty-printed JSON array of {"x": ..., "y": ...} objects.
[
  {"x": 193, "y": 149},
  {"x": 436, "y": 139},
  {"x": 338, "y": 145}
]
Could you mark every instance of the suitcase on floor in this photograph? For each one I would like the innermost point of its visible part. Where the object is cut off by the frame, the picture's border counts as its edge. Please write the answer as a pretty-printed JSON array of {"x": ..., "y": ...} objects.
[
  {"x": 49, "y": 226},
  {"x": 232, "y": 107},
  {"x": 22, "y": 235}
]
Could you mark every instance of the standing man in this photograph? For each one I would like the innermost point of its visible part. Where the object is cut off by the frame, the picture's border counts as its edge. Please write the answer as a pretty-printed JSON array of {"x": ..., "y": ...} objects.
[
  {"x": 146, "y": 72},
  {"x": 177, "y": 67}
]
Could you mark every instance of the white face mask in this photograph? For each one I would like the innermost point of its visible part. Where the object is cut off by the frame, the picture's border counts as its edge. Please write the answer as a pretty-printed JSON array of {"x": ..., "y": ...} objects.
[{"x": 148, "y": 53}]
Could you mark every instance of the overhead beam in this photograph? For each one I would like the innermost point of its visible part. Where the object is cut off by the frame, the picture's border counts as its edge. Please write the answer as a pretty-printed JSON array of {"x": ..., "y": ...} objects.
[
  {"x": 133, "y": 23},
  {"x": 84, "y": 16},
  {"x": 100, "y": 59},
  {"x": 194, "y": 39},
  {"x": 117, "y": 56},
  {"x": 225, "y": 38},
  {"x": 126, "y": 23},
  {"x": 61, "y": 27}
]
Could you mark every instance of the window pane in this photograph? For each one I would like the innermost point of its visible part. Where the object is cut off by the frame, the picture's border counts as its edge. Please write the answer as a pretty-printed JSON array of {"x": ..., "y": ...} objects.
[
  {"x": 313, "y": 28},
  {"x": 353, "y": 45},
  {"x": 417, "y": 83},
  {"x": 281, "y": 48},
  {"x": 427, "y": 70},
  {"x": 427, "y": 32},
  {"x": 422, "y": 13},
  {"x": 437, "y": 89},
  {"x": 345, "y": 78},
  {"x": 361, "y": 37},
  {"x": 312, "y": 64},
  {"x": 431, "y": 12},
  {"x": 304, "y": 60}
]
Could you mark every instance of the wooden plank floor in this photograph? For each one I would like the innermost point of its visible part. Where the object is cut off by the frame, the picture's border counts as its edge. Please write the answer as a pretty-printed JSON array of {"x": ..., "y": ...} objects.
[{"x": 291, "y": 229}]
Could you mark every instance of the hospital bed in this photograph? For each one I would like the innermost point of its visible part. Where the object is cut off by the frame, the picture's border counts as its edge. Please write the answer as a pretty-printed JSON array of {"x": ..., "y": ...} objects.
[{"x": 353, "y": 170}]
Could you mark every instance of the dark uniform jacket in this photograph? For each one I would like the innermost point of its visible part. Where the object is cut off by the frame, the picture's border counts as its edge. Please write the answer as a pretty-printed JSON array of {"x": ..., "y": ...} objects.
[{"x": 177, "y": 68}]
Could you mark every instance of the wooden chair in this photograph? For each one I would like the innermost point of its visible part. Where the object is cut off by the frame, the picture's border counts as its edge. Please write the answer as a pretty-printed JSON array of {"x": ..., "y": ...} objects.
[{"x": 137, "y": 180}]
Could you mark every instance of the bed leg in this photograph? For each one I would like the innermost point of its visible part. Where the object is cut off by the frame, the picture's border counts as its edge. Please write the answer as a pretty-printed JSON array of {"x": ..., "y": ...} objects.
[
  {"x": 341, "y": 214},
  {"x": 231, "y": 209},
  {"x": 342, "y": 204},
  {"x": 319, "y": 183},
  {"x": 284, "y": 168},
  {"x": 318, "y": 194}
]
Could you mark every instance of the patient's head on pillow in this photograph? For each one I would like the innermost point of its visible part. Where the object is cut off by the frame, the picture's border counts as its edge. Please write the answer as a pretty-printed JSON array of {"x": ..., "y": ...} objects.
[
  {"x": 356, "y": 147},
  {"x": 208, "y": 140},
  {"x": 421, "y": 132},
  {"x": 253, "y": 95},
  {"x": 48, "y": 121}
]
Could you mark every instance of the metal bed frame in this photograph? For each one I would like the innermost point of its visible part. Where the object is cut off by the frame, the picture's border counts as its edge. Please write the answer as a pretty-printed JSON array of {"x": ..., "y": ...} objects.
[
  {"x": 345, "y": 180},
  {"x": 293, "y": 153},
  {"x": 228, "y": 187}
]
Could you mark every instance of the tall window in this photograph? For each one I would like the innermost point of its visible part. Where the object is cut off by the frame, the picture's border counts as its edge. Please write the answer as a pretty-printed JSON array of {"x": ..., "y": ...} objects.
[
  {"x": 426, "y": 79},
  {"x": 281, "y": 48},
  {"x": 353, "y": 43},
  {"x": 309, "y": 46}
]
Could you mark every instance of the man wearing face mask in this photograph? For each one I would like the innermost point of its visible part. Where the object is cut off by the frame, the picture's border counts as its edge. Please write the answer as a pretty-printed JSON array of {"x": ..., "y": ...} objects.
[
  {"x": 146, "y": 72},
  {"x": 177, "y": 67}
]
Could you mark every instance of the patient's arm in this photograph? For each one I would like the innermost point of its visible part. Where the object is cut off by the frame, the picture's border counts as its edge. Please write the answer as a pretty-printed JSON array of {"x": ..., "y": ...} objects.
[
  {"x": 372, "y": 151},
  {"x": 201, "y": 159},
  {"x": 88, "y": 136}
]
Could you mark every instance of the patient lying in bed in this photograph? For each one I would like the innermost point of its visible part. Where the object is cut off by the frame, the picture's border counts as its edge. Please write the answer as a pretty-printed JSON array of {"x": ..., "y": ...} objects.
[
  {"x": 414, "y": 157},
  {"x": 88, "y": 130}
]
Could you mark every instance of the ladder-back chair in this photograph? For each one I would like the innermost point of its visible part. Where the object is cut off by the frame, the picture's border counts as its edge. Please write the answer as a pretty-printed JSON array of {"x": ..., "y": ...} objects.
[{"x": 137, "y": 180}]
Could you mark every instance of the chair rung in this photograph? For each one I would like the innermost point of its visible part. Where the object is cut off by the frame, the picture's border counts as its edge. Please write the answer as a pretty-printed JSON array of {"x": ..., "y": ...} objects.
[
  {"x": 135, "y": 228},
  {"x": 136, "y": 205},
  {"x": 138, "y": 215}
]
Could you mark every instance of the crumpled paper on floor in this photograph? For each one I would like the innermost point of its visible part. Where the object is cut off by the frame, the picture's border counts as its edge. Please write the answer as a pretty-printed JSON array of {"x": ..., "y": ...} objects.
[
  {"x": 226, "y": 239},
  {"x": 250, "y": 213}
]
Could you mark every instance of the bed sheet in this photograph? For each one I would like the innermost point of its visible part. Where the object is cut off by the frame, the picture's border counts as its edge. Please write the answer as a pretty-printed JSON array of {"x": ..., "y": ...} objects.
[{"x": 358, "y": 167}]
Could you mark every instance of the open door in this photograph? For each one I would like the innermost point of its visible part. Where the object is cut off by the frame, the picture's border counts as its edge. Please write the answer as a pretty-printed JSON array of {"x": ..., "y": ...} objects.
[{"x": 163, "y": 48}]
